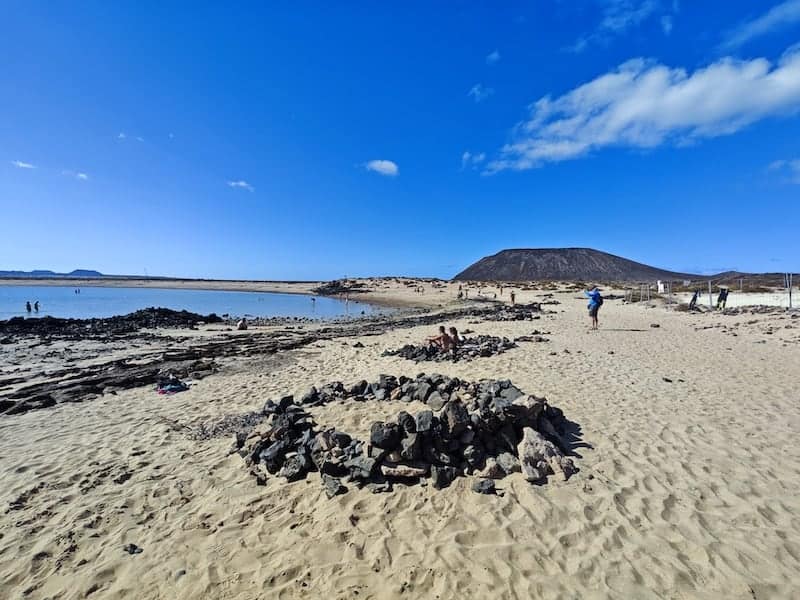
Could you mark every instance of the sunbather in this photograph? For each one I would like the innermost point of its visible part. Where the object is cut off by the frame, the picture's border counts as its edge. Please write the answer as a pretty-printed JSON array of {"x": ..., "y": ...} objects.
[{"x": 442, "y": 340}]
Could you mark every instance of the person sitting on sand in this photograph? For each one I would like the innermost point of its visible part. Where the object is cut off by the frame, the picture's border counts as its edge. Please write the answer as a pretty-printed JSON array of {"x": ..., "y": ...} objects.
[
  {"x": 442, "y": 340},
  {"x": 454, "y": 339},
  {"x": 595, "y": 302},
  {"x": 242, "y": 325}
]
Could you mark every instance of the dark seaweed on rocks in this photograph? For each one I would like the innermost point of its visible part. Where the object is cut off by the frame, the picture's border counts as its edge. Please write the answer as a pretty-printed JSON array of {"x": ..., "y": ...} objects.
[{"x": 76, "y": 329}]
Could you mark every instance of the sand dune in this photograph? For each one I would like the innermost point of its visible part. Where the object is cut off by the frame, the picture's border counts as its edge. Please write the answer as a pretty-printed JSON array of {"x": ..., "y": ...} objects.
[{"x": 687, "y": 488}]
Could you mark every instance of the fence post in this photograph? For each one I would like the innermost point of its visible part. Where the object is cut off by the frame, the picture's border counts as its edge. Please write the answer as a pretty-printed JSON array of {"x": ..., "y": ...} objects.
[{"x": 710, "y": 301}]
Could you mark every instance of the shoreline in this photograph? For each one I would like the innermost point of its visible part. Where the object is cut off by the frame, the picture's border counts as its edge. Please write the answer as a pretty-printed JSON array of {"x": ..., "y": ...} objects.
[{"x": 300, "y": 288}]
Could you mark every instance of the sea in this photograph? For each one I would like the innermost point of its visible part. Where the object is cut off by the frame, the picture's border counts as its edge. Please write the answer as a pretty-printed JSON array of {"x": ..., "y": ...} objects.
[{"x": 89, "y": 302}]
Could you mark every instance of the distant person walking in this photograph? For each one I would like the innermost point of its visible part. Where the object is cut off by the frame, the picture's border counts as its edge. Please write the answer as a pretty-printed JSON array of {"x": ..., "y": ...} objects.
[
  {"x": 36, "y": 306},
  {"x": 28, "y": 306},
  {"x": 513, "y": 298},
  {"x": 595, "y": 302}
]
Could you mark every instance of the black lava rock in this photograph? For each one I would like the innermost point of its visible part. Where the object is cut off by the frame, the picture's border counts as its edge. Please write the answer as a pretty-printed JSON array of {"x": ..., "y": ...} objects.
[
  {"x": 483, "y": 486},
  {"x": 384, "y": 435}
]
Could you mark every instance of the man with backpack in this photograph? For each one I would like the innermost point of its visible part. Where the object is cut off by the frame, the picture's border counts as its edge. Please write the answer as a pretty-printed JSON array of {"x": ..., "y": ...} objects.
[{"x": 595, "y": 302}]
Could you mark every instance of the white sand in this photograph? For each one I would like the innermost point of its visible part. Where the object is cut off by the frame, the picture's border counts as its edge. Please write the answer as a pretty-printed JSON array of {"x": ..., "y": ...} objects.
[{"x": 689, "y": 489}]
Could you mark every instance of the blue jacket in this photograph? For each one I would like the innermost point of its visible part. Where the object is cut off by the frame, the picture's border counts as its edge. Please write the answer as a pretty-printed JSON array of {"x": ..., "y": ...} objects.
[{"x": 594, "y": 298}]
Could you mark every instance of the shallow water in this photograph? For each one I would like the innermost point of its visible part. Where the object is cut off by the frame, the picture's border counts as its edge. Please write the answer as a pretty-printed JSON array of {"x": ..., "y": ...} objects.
[{"x": 58, "y": 301}]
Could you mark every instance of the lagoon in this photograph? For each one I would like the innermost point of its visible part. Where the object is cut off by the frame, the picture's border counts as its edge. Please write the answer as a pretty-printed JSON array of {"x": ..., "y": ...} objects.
[{"x": 63, "y": 301}]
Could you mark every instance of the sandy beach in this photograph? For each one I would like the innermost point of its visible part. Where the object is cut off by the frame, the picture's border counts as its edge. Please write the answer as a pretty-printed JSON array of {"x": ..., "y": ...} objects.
[{"x": 687, "y": 486}]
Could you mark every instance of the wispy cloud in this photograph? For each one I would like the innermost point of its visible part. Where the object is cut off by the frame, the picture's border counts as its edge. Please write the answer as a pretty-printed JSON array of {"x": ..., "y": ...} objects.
[
  {"x": 384, "y": 167},
  {"x": 139, "y": 138},
  {"x": 620, "y": 16},
  {"x": 22, "y": 165},
  {"x": 778, "y": 16},
  {"x": 121, "y": 135},
  {"x": 242, "y": 184},
  {"x": 643, "y": 104},
  {"x": 790, "y": 168},
  {"x": 76, "y": 174},
  {"x": 479, "y": 93},
  {"x": 468, "y": 159},
  {"x": 492, "y": 57}
]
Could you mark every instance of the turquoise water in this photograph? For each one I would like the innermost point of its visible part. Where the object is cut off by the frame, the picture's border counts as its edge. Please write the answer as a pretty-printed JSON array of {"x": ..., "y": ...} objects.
[{"x": 107, "y": 302}]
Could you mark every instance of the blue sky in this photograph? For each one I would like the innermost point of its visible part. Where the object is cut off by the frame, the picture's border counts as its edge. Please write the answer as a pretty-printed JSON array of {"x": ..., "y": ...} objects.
[{"x": 303, "y": 140}]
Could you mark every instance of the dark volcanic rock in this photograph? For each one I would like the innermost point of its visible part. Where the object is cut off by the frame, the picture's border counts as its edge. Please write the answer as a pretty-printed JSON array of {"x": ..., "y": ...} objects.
[
  {"x": 435, "y": 401},
  {"x": 384, "y": 435},
  {"x": 483, "y": 486},
  {"x": 455, "y": 418},
  {"x": 78, "y": 329},
  {"x": 443, "y": 476},
  {"x": 467, "y": 349},
  {"x": 333, "y": 487}
]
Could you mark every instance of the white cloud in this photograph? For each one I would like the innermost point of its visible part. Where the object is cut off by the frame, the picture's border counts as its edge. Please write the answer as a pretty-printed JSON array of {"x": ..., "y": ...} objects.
[
  {"x": 241, "y": 183},
  {"x": 791, "y": 168},
  {"x": 75, "y": 174},
  {"x": 493, "y": 57},
  {"x": 121, "y": 135},
  {"x": 384, "y": 167},
  {"x": 780, "y": 15},
  {"x": 468, "y": 159},
  {"x": 619, "y": 16},
  {"x": 480, "y": 93},
  {"x": 22, "y": 165},
  {"x": 643, "y": 104}
]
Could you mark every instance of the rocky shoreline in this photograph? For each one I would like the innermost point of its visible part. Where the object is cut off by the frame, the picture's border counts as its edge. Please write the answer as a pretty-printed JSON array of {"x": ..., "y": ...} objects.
[{"x": 194, "y": 357}]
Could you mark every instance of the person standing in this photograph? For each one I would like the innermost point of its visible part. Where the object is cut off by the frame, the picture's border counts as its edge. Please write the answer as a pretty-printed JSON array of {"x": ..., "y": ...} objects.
[
  {"x": 36, "y": 306},
  {"x": 28, "y": 306},
  {"x": 595, "y": 302},
  {"x": 693, "y": 301},
  {"x": 513, "y": 296},
  {"x": 722, "y": 299}
]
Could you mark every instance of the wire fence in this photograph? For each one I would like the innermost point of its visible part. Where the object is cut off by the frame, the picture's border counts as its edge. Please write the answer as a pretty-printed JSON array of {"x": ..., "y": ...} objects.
[{"x": 770, "y": 290}]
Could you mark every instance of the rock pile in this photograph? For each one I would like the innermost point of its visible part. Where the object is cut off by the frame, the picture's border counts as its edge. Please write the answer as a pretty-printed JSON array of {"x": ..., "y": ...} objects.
[
  {"x": 516, "y": 312},
  {"x": 488, "y": 428},
  {"x": 468, "y": 349},
  {"x": 340, "y": 287}
]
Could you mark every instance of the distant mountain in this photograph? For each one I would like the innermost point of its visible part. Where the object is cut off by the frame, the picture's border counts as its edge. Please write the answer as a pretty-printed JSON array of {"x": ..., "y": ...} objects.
[
  {"x": 566, "y": 264},
  {"x": 43, "y": 274}
]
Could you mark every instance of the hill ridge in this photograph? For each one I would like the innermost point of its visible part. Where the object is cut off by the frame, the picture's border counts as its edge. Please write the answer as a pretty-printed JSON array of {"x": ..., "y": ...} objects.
[{"x": 568, "y": 264}]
